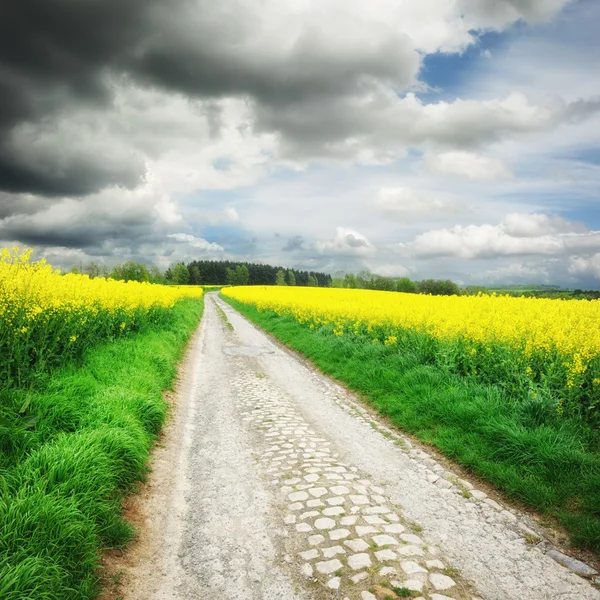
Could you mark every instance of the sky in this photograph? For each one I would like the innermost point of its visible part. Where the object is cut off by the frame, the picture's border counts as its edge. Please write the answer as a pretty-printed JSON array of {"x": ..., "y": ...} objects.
[{"x": 425, "y": 138}]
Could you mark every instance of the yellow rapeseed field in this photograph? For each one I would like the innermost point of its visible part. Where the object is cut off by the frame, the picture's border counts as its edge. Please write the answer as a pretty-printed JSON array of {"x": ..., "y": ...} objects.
[
  {"x": 545, "y": 341},
  {"x": 44, "y": 314}
]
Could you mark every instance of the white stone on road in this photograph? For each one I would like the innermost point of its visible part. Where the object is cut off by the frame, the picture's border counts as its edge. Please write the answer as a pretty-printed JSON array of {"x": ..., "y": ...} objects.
[{"x": 329, "y": 566}]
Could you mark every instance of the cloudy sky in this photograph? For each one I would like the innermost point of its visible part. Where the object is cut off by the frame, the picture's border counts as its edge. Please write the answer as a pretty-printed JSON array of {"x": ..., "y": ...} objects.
[{"x": 431, "y": 138}]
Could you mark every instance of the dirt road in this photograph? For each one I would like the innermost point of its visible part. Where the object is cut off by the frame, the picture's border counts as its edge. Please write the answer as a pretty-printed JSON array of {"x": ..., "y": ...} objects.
[{"x": 274, "y": 483}]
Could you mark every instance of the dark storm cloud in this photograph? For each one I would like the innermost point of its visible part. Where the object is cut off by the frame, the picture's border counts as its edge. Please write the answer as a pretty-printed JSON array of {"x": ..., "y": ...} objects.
[
  {"x": 82, "y": 224},
  {"x": 57, "y": 56}
]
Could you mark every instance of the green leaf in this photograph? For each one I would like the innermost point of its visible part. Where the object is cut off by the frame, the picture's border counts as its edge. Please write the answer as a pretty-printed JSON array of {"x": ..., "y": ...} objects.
[
  {"x": 25, "y": 405},
  {"x": 29, "y": 421}
]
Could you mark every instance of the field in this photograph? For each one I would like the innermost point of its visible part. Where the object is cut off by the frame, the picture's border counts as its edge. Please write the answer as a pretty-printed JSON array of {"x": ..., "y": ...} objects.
[
  {"x": 83, "y": 366},
  {"x": 509, "y": 387}
]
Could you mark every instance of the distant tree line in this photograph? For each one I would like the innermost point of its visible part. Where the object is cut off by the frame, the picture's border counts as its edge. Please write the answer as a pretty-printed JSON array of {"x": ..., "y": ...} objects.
[
  {"x": 208, "y": 272},
  {"x": 222, "y": 272},
  {"x": 370, "y": 281}
]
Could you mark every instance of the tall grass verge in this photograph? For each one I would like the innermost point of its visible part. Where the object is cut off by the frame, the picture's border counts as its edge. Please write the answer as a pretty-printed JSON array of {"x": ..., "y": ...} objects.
[
  {"x": 71, "y": 447},
  {"x": 547, "y": 460}
]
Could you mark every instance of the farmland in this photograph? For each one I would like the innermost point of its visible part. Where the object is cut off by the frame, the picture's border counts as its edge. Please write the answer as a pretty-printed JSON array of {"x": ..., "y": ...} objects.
[
  {"x": 83, "y": 367},
  {"x": 509, "y": 387}
]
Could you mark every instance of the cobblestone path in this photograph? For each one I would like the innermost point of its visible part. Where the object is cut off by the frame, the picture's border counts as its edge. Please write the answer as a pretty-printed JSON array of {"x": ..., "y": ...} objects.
[{"x": 285, "y": 487}]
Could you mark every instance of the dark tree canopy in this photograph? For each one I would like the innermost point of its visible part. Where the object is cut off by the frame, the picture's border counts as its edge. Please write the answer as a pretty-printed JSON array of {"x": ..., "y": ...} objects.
[{"x": 224, "y": 272}]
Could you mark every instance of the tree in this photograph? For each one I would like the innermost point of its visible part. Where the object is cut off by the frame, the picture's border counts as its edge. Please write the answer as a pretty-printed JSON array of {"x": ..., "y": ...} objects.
[
  {"x": 280, "y": 277},
  {"x": 291, "y": 278},
  {"x": 404, "y": 284},
  {"x": 93, "y": 269},
  {"x": 312, "y": 281},
  {"x": 181, "y": 275},
  {"x": 350, "y": 281},
  {"x": 242, "y": 275},
  {"x": 194, "y": 274},
  {"x": 130, "y": 271},
  {"x": 230, "y": 276},
  {"x": 438, "y": 287},
  {"x": 155, "y": 275}
]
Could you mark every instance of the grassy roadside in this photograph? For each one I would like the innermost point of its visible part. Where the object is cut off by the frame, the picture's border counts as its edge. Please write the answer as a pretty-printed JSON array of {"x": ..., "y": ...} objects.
[
  {"x": 552, "y": 464},
  {"x": 63, "y": 474}
]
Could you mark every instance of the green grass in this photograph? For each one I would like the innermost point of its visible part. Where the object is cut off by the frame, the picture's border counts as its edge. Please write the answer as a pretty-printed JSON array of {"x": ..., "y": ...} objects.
[
  {"x": 71, "y": 448},
  {"x": 534, "y": 455}
]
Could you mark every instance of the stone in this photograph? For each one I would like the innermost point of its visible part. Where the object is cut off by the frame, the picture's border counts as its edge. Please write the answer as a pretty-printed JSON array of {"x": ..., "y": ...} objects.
[
  {"x": 359, "y": 577},
  {"x": 509, "y": 516},
  {"x": 410, "y": 551},
  {"x": 374, "y": 520},
  {"x": 315, "y": 540},
  {"x": 314, "y": 503},
  {"x": 357, "y": 545},
  {"x": 393, "y": 528},
  {"x": 387, "y": 554},
  {"x": 376, "y": 510},
  {"x": 356, "y": 499},
  {"x": 441, "y": 582},
  {"x": 492, "y": 503},
  {"x": 303, "y": 527},
  {"x": 478, "y": 494},
  {"x": 312, "y": 477},
  {"x": 309, "y": 514},
  {"x": 306, "y": 570},
  {"x": 379, "y": 499},
  {"x": 432, "y": 477},
  {"x": 367, "y": 596},
  {"x": 440, "y": 597},
  {"x": 324, "y": 523},
  {"x": 317, "y": 492},
  {"x": 411, "y": 539},
  {"x": 435, "y": 564},
  {"x": 339, "y": 534},
  {"x": 335, "y": 501},
  {"x": 332, "y": 551},
  {"x": 296, "y": 506},
  {"x": 348, "y": 520},
  {"x": 413, "y": 584},
  {"x": 359, "y": 561},
  {"x": 410, "y": 567},
  {"x": 388, "y": 571},
  {"x": 329, "y": 566},
  {"x": 309, "y": 554},
  {"x": 333, "y": 510},
  {"x": 365, "y": 529},
  {"x": 385, "y": 540},
  {"x": 298, "y": 496},
  {"x": 334, "y": 583},
  {"x": 443, "y": 484},
  {"x": 572, "y": 563},
  {"x": 289, "y": 519},
  {"x": 338, "y": 490}
]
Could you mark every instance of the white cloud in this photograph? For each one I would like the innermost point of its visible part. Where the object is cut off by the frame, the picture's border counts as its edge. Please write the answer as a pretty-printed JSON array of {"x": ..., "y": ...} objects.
[
  {"x": 232, "y": 214},
  {"x": 392, "y": 270},
  {"x": 536, "y": 225},
  {"x": 196, "y": 242},
  {"x": 534, "y": 236},
  {"x": 467, "y": 165},
  {"x": 585, "y": 266},
  {"x": 407, "y": 203},
  {"x": 346, "y": 242}
]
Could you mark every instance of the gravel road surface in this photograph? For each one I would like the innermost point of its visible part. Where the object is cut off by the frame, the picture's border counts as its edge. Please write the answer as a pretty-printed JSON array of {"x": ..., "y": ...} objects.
[{"x": 275, "y": 483}]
